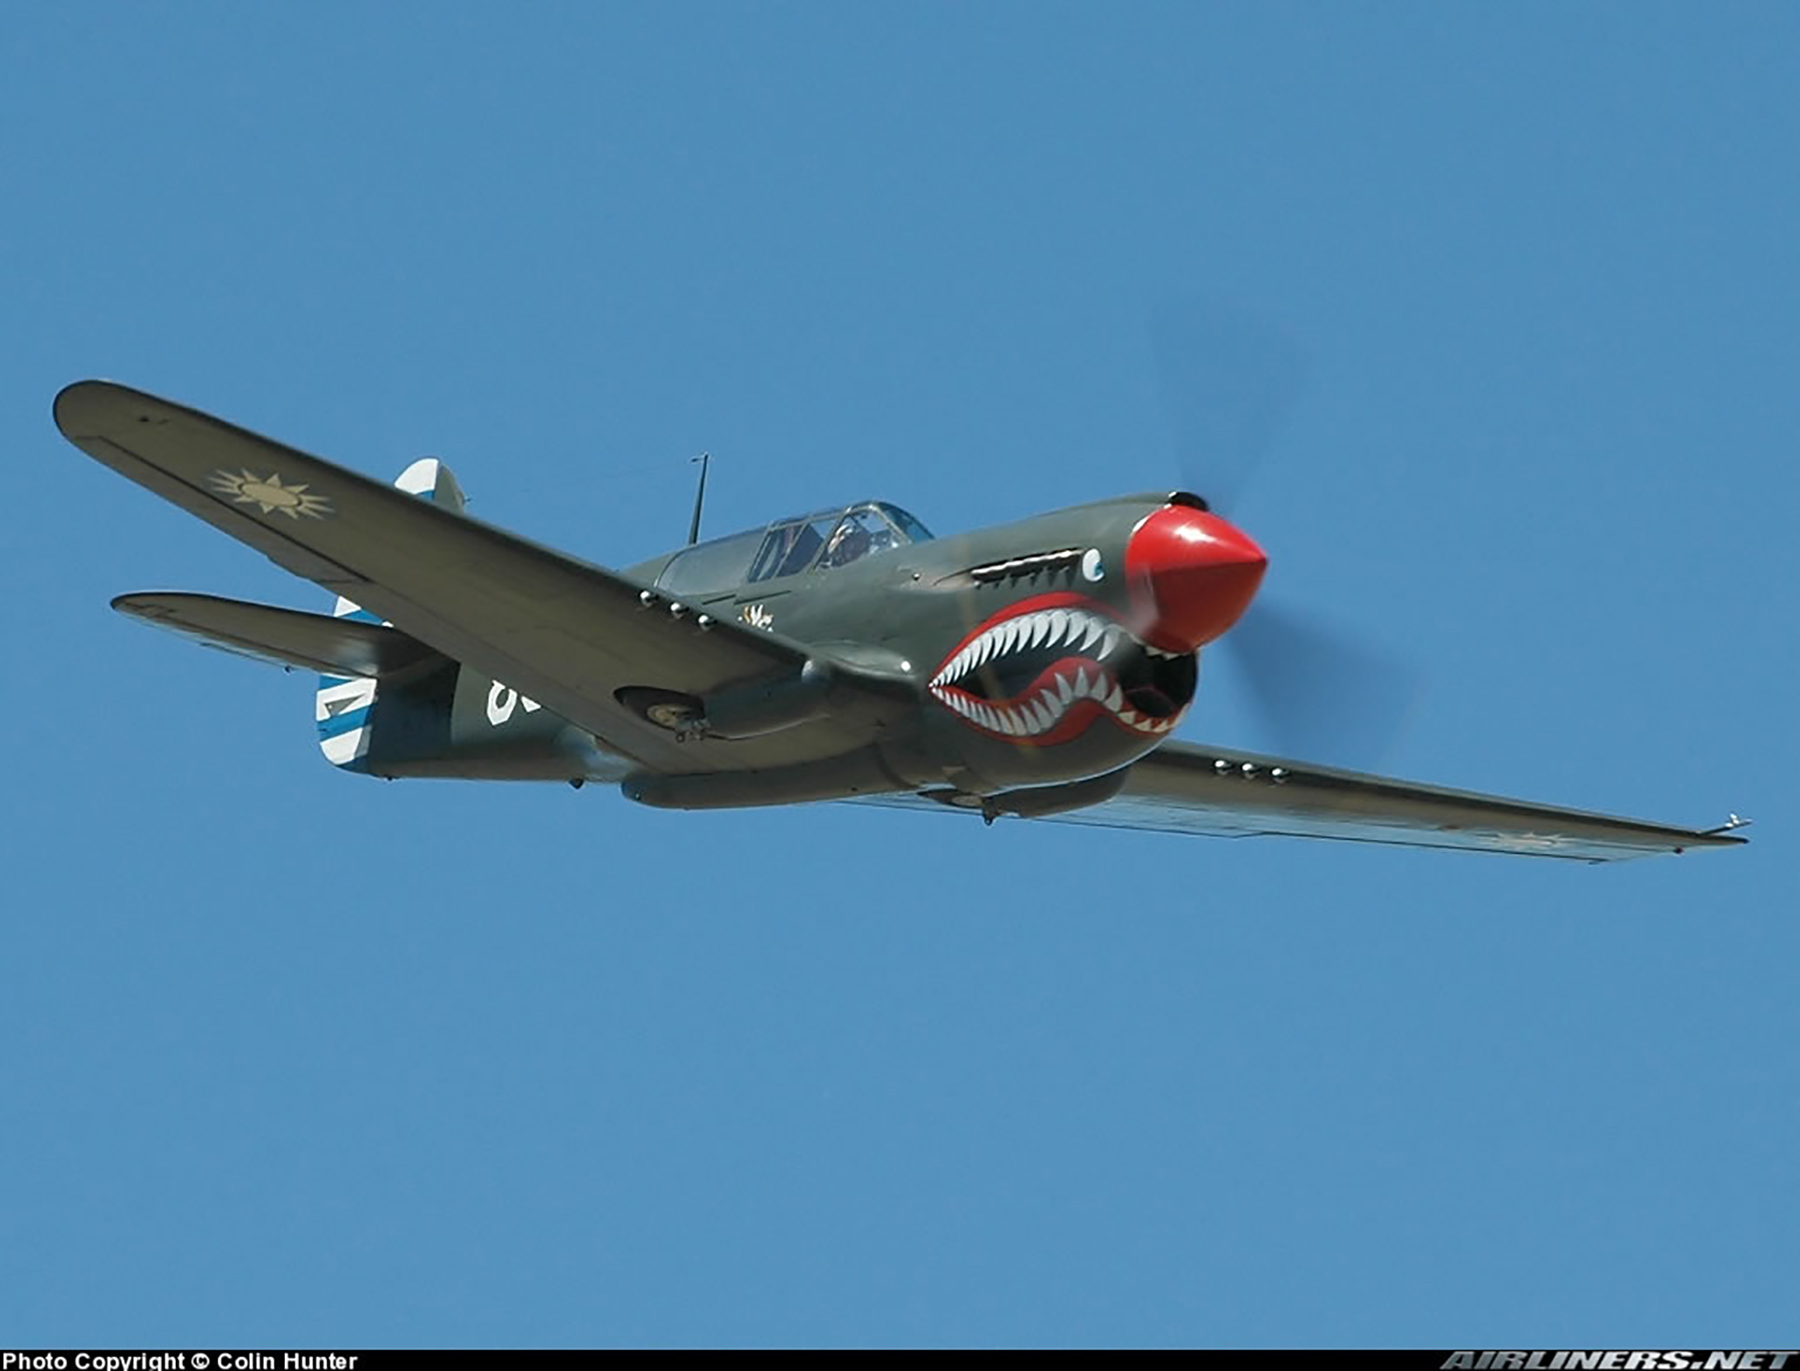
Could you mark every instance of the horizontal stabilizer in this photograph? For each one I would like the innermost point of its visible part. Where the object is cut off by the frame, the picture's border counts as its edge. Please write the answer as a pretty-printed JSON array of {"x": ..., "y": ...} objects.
[{"x": 286, "y": 637}]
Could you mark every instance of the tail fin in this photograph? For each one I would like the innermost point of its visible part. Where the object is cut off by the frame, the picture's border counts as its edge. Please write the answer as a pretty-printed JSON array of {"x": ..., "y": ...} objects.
[
  {"x": 430, "y": 479},
  {"x": 344, "y": 704}
]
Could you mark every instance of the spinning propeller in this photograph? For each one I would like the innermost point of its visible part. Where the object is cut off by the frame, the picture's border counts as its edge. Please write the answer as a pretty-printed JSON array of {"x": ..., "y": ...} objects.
[{"x": 1227, "y": 381}]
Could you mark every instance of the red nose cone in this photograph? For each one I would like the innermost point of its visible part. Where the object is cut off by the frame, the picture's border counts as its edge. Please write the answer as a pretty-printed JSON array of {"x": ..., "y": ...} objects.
[{"x": 1197, "y": 571}]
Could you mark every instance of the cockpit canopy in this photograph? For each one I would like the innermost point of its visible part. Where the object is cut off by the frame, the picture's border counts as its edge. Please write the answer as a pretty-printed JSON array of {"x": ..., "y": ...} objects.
[{"x": 827, "y": 539}]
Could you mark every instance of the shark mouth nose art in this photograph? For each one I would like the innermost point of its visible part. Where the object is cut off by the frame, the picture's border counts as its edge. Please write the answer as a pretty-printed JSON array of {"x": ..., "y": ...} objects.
[{"x": 1047, "y": 667}]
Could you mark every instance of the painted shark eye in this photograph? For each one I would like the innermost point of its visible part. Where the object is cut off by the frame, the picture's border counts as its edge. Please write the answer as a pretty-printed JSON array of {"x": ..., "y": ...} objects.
[{"x": 1091, "y": 567}]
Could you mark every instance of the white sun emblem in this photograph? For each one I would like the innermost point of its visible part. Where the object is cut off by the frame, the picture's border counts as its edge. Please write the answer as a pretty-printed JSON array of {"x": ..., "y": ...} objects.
[{"x": 269, "y": 495}]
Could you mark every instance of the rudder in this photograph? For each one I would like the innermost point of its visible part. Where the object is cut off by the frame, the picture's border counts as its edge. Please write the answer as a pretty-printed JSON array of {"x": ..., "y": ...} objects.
[{"x": 344, "y": 706}]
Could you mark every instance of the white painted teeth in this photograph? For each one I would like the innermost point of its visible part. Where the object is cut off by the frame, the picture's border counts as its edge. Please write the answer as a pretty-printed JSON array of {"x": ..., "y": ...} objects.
[
  {"x": 1077, "y": 629},
  {"x": 1045, "y": 709}
]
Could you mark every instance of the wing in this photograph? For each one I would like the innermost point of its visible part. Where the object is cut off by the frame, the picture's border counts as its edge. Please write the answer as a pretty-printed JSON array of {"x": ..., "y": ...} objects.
[
  {"x": 1219, "y": 793},
  {"x": 560, "y": 630}
]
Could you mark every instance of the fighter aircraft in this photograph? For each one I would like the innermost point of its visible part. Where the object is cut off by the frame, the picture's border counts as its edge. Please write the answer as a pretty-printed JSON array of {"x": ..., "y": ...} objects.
[{"x": 1037, "y": 669}]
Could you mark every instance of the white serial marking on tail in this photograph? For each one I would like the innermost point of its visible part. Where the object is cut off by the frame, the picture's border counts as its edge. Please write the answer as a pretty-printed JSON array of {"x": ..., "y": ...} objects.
[{"x": 503, "y": 699}]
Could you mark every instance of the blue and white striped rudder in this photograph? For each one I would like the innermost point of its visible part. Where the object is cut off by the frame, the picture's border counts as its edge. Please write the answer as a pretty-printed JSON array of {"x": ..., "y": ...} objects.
[{"x": 343, "y": 704}]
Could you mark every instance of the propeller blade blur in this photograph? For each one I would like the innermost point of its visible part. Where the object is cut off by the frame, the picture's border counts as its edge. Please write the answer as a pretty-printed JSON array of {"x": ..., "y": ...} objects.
[
  {"x": 1227, "y": 381},
  {"x": 1317, "y": 692}
]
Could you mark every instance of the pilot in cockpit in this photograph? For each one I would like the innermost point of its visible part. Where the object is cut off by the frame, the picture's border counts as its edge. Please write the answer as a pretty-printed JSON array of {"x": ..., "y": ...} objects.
[{"x": 848, "y": 542}]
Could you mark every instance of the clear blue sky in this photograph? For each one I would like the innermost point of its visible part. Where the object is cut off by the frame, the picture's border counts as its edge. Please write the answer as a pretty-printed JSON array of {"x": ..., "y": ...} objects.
[{"x": 288, "y": 1056}]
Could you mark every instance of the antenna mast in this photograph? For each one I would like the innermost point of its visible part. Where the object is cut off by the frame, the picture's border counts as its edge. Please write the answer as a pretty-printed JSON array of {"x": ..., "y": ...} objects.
[{"x": 704, "y": 459}]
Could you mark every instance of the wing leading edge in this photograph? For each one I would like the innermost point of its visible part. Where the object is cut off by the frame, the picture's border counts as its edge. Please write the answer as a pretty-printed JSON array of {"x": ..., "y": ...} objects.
[{"x": 1222, "y": 793}]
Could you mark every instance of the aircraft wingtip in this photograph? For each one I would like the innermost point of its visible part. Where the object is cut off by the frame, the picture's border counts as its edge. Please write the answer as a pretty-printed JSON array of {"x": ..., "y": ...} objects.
[
  {"x": 70, "y": 401},
  {"x": 83, "y": 400}
]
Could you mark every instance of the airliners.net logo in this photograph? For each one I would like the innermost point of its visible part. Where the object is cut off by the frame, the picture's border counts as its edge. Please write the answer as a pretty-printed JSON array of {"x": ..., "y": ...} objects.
[{"x": 1619, "y": 1361}]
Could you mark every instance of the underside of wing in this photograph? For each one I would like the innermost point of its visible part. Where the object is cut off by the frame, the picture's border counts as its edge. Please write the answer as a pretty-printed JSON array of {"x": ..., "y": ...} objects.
[
  {"x": 284, "y": 637},
  {"x": 1220, "y": 793},
  {"x": 562, "y": 631}
]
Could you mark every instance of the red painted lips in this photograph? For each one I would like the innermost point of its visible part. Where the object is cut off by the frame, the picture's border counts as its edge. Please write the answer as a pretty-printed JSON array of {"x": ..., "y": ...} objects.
[{"x": 1199, "y": 572}]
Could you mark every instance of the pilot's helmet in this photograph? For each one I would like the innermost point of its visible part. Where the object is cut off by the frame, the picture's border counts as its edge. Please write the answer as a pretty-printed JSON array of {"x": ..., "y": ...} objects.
[{"x": 850, "y": 542}]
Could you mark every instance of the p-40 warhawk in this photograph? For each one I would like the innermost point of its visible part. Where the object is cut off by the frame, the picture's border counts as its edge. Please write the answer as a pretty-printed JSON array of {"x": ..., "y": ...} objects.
[{"x": 1036, "y": 669}]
